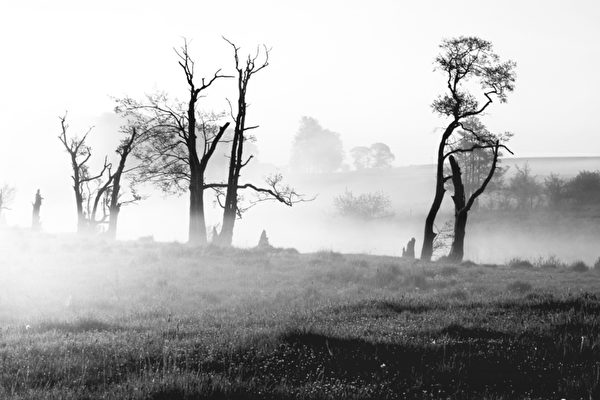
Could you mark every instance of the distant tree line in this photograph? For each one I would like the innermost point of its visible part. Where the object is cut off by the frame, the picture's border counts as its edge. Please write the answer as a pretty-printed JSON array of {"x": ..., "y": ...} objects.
[
  {"x": 527, "y": 192},
  {"x": 318, "y": 150}
]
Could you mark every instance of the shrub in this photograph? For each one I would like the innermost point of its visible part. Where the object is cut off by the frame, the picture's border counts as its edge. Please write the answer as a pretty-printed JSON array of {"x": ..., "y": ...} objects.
[
  {"x": 363, "y": 206},
  {"x": 519, "y": 287},
  {"x": 579, "y": 266},
  {"x": 597, "y": 265},
  {"x": 520, "y": 263}
]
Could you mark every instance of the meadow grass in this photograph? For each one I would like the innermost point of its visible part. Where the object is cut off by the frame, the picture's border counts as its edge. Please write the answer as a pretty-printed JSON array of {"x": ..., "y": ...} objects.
[{"x": 88, "y": 319}]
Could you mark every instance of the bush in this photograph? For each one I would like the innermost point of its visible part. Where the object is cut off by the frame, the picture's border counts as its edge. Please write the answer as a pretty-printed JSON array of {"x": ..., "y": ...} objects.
[
  {"x": 364, "y": 206},
  {"x": 519, "y": 287},
  {"x": 520, "y": 263},
  {"x": 597, "y": 265},
  {"x": 579, "y": 266}
]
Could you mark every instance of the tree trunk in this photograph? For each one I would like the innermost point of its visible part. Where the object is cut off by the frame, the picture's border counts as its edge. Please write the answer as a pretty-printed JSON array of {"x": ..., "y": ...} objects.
[
  {"x": 81, "y": 219},
  {"x": 429, "y": 236},
  {"x": 113, "y": 220},
  {"x": 460, "y": 212},
  {"x": 115, "y": 208},
  {"x": 230, "y": 210},
  {"x": 235, "y": 165},
  {"x": 458, "y": 244},
  {"x": 197, "y": 226}
]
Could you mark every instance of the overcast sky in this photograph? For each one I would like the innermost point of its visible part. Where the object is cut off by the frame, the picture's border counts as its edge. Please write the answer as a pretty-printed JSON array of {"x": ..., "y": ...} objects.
[{"x": 363, "y": 69}]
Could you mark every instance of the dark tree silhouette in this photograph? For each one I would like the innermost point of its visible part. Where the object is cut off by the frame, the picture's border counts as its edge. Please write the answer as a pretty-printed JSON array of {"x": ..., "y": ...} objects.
[
  {"x": 134, "y": 136},
  {"x": 472, "y": 60},
  {"x": 87, "y": 198},
  {"x": 275, "y": 189},
  {"x": 172, "y": 157},
  {"x": 475, "y": 164},
  {"x": 35, "y": 215},
  {"x": 480, "y": 140}
]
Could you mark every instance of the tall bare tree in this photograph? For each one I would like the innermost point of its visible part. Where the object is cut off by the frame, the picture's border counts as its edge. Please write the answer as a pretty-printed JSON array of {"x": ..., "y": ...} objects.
[
  {"x": 172, "y": 157},
  {"x": 466, "y": 61},
  {"x": 87, "y": 187},
  {"x": 275, "y": 190}
]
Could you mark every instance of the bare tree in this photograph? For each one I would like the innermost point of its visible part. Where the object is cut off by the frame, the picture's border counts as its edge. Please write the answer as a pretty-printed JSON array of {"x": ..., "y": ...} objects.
[
  {"x": 172, "y": 157},
  {"x": 464, "y": 60},
  {"x": 134, "y": 136},
  {"x": 275, "y": 189},
  {"x": 87, "y": 187},
  {"x": 481, "y": 140}
]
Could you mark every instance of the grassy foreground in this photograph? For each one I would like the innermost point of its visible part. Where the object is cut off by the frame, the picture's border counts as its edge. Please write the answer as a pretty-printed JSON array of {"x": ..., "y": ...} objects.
[{"x": 142, "y": 320}]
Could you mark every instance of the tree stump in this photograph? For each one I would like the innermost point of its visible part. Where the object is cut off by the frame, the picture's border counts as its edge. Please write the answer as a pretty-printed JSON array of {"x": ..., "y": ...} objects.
[
  {"x": 35, "y": 217},
  {"x": 263, "y": 242},
  {"x": 409, "y": 250}
]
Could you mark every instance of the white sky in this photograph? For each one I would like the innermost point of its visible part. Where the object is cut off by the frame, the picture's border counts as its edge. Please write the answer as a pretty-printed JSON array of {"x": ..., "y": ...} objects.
[{"x": 362, "y": 68}]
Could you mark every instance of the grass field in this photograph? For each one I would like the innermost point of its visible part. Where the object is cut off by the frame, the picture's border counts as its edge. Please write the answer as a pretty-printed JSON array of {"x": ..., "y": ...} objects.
[{"x": 83, "y": 319}]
